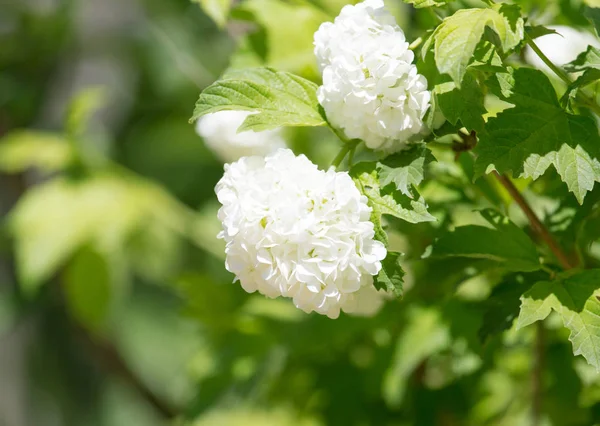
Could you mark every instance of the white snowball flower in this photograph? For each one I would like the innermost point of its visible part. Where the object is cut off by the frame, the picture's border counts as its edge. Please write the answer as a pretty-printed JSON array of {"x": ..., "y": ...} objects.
[
  {"x": 219, "y": 131},
  {"x": 371, "y": 89},
  {"x": 296, "y": 231},
  {"x": 560, "y": 48}
]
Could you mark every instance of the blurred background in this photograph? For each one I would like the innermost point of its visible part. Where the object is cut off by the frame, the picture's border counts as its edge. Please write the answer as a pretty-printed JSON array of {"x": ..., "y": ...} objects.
[{"x": 115, "y": 306}]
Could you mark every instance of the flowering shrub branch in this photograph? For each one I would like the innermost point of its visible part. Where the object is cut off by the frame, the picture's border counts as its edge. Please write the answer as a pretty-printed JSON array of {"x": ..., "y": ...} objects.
[{"x": 321, "y": 237}]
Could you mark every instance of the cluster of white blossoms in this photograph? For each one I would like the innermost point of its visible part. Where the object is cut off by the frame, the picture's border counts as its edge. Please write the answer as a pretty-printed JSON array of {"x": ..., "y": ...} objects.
[
  {"x": 295, "y": 231},
  {"x": 219, "y": 131},
  {"x": 371, "y": 89}
]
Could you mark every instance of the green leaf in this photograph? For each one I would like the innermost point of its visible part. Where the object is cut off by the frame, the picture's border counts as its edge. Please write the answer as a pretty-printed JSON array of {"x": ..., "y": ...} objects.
[
  {"x": 283, "y": 38},
  {"x": 391, "y": 276},
  {"x": 590, "y": 59},
  {"x": 425, "y": 334},
  {"x": 502, "y": 307},
  {"x": 457, "y": 37},
  {"x": 574, "y": 298},
  {"x": 464, "y": 104},
  {"x": 574, "y": 165},
  {"x": 593, "y": 15},
  {"x": 589, "y": 63},
  {"x": 82, "y": 108},
  {"x": 279, "y": 98},
  {"x": 505, "y": 243},
  {"x": 537, "y": 132},
  {"x": 427, "y": 3},
  {"x": 217, "y": 10},
  {"x": 405, "y": 169},
  {"x": 55, "y": 219},
  {"x": 535, "y": 31},
  {"x": 387, "y": 200},
  {"x": 87, "y": 283},
  {"x": 23, "y": 149}
]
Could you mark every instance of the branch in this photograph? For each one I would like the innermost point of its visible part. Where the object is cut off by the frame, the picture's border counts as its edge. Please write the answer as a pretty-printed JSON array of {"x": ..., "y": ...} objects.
[
  {"x": 537, "y": 376},
  {"x": 109, "y": 359},
  {"x": 537, "y": 226}
]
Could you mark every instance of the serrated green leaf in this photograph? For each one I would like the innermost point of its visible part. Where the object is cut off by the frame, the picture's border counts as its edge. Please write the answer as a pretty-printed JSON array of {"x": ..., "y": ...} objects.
[
  {"x": 574, "y": 298},
  {"x": 528, "y": 138},
  {"x": 391, "y": 276},
  {"x": 405, "y": 169},
  {"x": 504, "y": 243},
  {"x": 217, "y": 10},
  {"x": 23, "y": 149},
  {"x": 387, "y": 200},
  {"x": 457, "y": 37},
  {"x": 575, "y": 167},
  {"x": 464, "y": 104},
  {"x": 278, "y": 98},
  {"x": 87, "y": 282}
]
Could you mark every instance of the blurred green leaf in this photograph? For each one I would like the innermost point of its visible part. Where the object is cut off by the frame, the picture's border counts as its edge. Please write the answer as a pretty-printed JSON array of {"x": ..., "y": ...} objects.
[
  {"x": 218, "y": 10},
  {"x": 593, "y": 15},
  {"x": 279, "y": 98},
  {"x": 426, "y": 3},
  {"x": 284, "y": 39},
  {"x": 54, "y": 219},
  {"x": 423, "y": 335},
  {"x": 574, "y": 298},
  {"x": 23, "y": 149},
  {"x": 87, "y": 281},
  {"x": 81, "y": 109},
  {"x": 505, "y": 243}
]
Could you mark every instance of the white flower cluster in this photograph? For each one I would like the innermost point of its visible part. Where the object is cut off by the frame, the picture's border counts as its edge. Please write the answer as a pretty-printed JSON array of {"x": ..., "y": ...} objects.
[
  {"x": 219, "y": 131},
  {"x": 371, "y": 89},
  {"x": 560, "y": 48},
  {"x": 296, "y": 231}
]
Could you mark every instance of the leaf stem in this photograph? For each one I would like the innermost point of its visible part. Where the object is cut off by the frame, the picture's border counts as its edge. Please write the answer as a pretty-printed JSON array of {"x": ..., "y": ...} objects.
[
  {"x": 556, "y": 70},
  {"x": 346, "y": 148},
  {"x": 537, "y": 226},
  {"x": 581, "y": 97}
]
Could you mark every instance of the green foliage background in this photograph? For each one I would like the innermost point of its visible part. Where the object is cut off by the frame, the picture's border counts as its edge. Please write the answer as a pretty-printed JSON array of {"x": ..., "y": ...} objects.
[{"x": 115, "y": 307}]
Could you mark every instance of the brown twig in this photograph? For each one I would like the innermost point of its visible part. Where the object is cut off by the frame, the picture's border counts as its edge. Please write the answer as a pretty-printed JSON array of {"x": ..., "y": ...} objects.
[{"x": 537, "y": 226}]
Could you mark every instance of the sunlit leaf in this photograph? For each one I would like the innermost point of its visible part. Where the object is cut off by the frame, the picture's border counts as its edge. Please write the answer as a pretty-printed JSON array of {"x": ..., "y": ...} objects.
[
  {"x": 574, "y": 298},
  {"x": 278, "y": 98}
]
